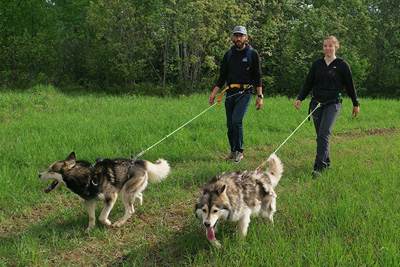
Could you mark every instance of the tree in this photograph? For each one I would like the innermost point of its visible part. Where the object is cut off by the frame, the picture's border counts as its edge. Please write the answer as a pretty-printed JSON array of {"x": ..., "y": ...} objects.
[
  {"x": 384, "y": 77},
  {"x": 27, "y": 39},
  {"x": 175, "y": 46}
]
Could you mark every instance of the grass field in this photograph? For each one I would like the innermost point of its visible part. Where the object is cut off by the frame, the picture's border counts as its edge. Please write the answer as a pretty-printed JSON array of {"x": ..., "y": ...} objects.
[{"x": 348, "y": 217}]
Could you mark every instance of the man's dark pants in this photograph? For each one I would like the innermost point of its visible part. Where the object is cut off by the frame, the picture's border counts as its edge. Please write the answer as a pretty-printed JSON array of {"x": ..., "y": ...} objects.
[{"x": 236, "y": 105}]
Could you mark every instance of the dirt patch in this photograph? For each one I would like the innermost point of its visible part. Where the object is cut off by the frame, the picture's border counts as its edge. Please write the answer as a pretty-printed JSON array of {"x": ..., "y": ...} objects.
[
  {"x": 379, "y": 131},
  {"x": 357, "y": 133}
]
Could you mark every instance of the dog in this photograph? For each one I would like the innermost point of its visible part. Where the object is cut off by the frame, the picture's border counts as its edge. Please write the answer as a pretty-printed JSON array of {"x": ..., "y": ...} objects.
[
  {"x": 104, "y": 181},
  {"x": 236, "y": 196}
]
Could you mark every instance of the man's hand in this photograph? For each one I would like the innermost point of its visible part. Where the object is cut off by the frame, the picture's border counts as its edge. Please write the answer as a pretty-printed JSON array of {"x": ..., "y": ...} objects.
[
  {"x": 213, "y": 95},
  {"x": 211, "y": 99},
  {"x": 259, "y": 103}
]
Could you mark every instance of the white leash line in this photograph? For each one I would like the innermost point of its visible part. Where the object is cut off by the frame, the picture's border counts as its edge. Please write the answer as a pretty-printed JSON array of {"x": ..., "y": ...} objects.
[
  {"x": 144, "y": 151},
  {"x": 181, "y": 127},
  {"x": 265, "y": 162},
  {"x": 297, "y": 128}
]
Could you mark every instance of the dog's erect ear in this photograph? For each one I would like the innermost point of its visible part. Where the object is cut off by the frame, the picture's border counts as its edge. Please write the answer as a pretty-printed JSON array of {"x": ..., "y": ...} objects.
[
  {"x": 221, "y": 190},
  {"x": 201, "y": 192},
  {"x": 214, "y": 179},
  {"x": 71, "y": 156},
  {"x": 70, "y": 161}
]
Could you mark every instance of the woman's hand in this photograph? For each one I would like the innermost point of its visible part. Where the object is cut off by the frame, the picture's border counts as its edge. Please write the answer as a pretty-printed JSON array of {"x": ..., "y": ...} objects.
[
  {"x": 356, "y": 110},
  {"x": 297, "y": 104}
]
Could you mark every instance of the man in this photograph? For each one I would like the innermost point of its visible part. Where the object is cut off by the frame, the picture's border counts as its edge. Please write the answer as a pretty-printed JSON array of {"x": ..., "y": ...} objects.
[{"x": 241, "y": 70}]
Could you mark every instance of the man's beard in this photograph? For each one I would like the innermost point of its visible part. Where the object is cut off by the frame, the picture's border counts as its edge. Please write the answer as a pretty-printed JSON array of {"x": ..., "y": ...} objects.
[{"x": 240, "y": 45}]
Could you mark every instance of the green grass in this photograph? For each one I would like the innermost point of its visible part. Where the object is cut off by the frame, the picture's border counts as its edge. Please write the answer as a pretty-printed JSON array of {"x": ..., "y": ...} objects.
[{"x": 348, "y": 217}]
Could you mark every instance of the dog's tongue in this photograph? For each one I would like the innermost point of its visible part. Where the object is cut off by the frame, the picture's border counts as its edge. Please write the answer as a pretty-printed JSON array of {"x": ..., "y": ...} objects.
[
  {"x": 51, "y": 187},
  {"x": 210, "y": 233}
]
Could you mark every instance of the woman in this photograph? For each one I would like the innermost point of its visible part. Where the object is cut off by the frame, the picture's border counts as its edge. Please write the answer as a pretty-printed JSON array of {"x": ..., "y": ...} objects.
[{"x": 326, "y": 79}]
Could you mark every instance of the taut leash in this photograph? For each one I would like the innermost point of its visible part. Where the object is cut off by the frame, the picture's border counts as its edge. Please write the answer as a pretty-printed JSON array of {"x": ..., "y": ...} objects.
[
  {"x": 258, "y": 169},
  {"x": 201, "y": 113},
  {"x": 144, "y": 151}
]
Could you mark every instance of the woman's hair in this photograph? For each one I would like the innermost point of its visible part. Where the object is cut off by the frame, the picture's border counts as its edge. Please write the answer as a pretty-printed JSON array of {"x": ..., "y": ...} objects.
[{"x": 333, "y": 39}]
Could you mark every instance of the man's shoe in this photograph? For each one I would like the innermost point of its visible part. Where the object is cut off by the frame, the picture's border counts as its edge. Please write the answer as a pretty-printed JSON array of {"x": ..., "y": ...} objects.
[
  {"x": 316, "y": 174},
  {"x": 239, "y": 156}
]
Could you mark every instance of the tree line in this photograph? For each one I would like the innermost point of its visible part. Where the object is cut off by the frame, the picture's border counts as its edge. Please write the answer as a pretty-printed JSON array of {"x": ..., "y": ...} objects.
[{"x": 171, "y": 47}]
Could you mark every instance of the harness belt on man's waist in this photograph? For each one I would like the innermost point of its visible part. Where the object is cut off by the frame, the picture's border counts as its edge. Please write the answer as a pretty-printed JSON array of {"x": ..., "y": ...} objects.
[{"x": 235, "y": 85}]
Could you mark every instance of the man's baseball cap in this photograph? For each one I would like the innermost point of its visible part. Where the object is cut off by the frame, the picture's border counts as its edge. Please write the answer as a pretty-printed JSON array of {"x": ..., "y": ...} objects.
[{"x": 240, "y": 29}]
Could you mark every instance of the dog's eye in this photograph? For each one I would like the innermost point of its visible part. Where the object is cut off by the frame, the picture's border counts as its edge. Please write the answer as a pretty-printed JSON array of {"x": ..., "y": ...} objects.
[
  {"x": 215, "y": 211},
  {"x": 204, "y": 210}
]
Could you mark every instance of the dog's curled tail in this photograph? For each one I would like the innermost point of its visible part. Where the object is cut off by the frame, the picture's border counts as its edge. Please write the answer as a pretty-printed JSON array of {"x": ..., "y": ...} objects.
[
  {"x": 275, "y": 168},
  {"x": 157, "y": 171}
]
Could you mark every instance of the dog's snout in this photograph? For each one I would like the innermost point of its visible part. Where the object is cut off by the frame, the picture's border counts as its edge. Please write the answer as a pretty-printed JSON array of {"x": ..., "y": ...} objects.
[
  {"x": 40, "y": 175},
  {"x": 207, "y": 224}
]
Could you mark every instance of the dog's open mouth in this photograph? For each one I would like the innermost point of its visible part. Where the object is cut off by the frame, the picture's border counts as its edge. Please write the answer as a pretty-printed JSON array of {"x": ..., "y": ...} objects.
[
  {"x": 210, "y": 232},
  {"x": 51, "y": 187}
]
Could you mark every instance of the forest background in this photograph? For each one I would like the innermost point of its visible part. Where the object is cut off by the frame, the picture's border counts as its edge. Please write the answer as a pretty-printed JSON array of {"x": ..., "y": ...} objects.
[{"x": 173, "y": 47}]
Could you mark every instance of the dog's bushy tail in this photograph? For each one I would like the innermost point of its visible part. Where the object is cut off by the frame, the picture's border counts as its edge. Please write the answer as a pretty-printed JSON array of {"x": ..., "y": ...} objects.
[
  {"x": 275, "y": 169},
  {"x": 157, "y": 171}
]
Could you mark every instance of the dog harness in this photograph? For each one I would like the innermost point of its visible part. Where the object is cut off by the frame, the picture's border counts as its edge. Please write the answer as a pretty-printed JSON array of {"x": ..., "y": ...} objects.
[{"x": 92, "y": 177}]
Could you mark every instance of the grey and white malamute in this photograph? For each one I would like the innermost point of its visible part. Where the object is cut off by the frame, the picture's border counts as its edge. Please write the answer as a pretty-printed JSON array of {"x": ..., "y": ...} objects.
[
  {"x": 104, "y": 181},
  {"x": 236, "y": 196}
]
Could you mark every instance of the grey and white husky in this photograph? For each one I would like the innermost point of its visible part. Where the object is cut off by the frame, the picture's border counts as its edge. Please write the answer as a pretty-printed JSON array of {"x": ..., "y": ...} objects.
[
  {"x": 104, "y": 181},
  {"x": 236, "y": 196}
]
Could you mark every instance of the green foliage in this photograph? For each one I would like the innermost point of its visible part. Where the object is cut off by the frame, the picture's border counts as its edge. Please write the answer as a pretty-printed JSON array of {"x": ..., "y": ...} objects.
[
  {"x": 124, "y": 45},
  {"x": 384, "y": 76}
]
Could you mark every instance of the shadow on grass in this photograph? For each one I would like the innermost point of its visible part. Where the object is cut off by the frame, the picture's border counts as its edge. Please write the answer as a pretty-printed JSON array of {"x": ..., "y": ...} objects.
[
  {"x": 186, "y": 247},
  {"x": 28, "y": 245}
]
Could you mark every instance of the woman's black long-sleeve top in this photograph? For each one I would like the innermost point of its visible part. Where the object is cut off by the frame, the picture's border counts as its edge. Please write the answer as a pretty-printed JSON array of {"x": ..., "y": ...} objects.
[{"x": 326, "y": 82}]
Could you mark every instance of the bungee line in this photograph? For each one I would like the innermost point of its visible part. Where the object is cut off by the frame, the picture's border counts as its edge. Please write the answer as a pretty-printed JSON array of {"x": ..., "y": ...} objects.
[
  {"x": 216, "y": 103},
  {"x": 265, "y": 162},
  {"x": 201, "y": 113}
]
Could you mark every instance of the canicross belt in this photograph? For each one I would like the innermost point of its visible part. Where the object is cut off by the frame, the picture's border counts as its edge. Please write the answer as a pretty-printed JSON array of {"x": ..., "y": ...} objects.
[
  {"x": 235, "y": 85},
  {"x": 339, "y": 99}
]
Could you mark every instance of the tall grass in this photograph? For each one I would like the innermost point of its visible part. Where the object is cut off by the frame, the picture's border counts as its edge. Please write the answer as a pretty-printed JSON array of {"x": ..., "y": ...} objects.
[{"x": 348, "y": 217}]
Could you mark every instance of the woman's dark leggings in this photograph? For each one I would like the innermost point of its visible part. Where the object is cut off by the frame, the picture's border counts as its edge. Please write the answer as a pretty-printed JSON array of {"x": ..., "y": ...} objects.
[{"x": 324, "y": 118}]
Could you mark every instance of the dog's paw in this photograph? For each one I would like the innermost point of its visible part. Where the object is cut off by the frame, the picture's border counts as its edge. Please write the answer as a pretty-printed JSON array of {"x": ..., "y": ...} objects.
[
  {"x": 140, "y": 197},
  {"x": 89, "y": 229},
  {"x": 105, "y": 221},
  {"x": 215, "y": 243},
  {"x": 116, "y": 224},
  {"x": 269, "y": 220}
]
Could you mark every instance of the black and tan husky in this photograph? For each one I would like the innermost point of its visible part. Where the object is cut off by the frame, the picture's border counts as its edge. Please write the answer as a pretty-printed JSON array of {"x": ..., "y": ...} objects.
[
  {"x": 236, "y": 196},
  {"x": 104, "y": 181}
]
